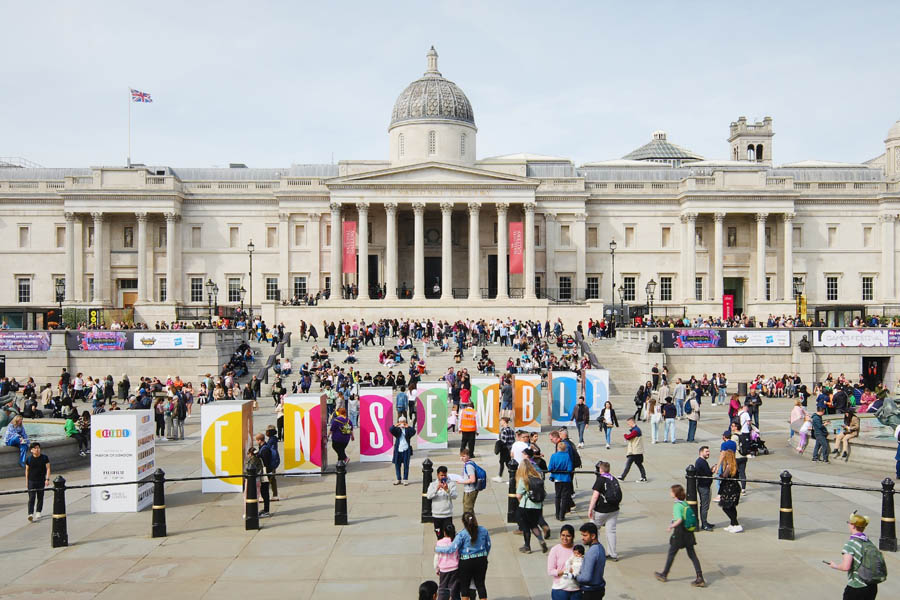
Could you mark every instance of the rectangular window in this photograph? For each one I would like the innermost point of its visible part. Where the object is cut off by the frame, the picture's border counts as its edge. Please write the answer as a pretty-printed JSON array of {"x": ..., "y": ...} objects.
[
  {"x": 24, "y": 289},
  {"x": 127, "y": 284},
  {"x": 698, "y": 289},
  {"x": 868, "y": 237},
  {"x": 831, "y": 288},
  {"x": 300, "y": 286},
  {"x": 768, "y": 237},
  {"x": 234, "y": 237},
  {"x": 60, "y": 237},
  {"x": 732, "y": 237},
  {"x": 234, "y": 289},
  {"x": 629, "y": 237},
  {"x": 629, "y": 285},
  {"x": 196, "y": 237},
  {"x": 162, "y": 238},
  {"x": 797, "y": 282},
  {"x": 90, "y": 240},
  {"x": 537, "y": 285},
  {"x": 300, "y": 235},
  {"x": 128, "y": 237},
  {"x": 24, "y": 236},
  {"x": 327, "y": 283},
  {"x": 698, "y": 236},
  {"x": 593, "y": 288},
  {"x": 666, "y": 237},
  {"x": 163, "y": 289},
  {"x": 565, "y": 287},
  {"x": 832, "y": 236},
  {"x": 272, "y": 288},
  {"x": 868, "y": 287},
  {"x": 565, "y": 236},
  {"x": 90, "y": 288},
  {"x": 537, "y": 236},
  {"x": 271, "y": 237},
  {"x": 768, "y": 288},
  {"x": 196, "y": 289},
  {"x": 665, "y": 289},
  {"x": 593, "y": 239},
  {"x": 797, "y": 238}
]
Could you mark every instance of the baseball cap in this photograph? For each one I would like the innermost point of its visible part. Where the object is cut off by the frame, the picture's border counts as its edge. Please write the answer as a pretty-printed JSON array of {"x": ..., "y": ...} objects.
[{"x": 728, "y": 445}]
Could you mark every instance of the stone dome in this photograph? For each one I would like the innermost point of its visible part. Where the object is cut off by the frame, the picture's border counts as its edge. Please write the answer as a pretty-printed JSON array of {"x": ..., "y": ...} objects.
[
  {"x": 894, "y": 132},
  {"x": 432, "y": 97}
]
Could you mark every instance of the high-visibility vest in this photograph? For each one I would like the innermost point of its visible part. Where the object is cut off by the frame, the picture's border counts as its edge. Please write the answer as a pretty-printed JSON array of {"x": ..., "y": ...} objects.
[{"x": 467, "y": 420}]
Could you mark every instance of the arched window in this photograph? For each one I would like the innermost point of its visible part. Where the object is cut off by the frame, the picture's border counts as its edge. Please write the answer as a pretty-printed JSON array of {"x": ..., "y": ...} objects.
[
  {"x": 432, "y": 142},
  {"x": 401, "y": 144},
  {"x": 759, "y": 152},
  {"x": 736, "y": 153},
  {"x": 462, "y": 145},
  {"x": 751, "y": 152}
]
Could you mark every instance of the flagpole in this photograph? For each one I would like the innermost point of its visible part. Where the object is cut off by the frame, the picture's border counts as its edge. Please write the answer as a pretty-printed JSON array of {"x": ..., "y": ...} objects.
[{"x": 128, "y": 162}]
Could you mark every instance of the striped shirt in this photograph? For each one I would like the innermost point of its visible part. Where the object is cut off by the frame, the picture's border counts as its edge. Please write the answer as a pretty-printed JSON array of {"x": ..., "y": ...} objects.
[{"x": 854, "y": 547}]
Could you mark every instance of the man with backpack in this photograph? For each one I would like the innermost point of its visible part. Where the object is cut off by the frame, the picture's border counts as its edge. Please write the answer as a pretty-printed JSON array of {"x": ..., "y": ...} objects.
[
  {"x": 474, "y": 479},
  {"x": 604, "y": 508},
  {"x": 862, "y": 561}
]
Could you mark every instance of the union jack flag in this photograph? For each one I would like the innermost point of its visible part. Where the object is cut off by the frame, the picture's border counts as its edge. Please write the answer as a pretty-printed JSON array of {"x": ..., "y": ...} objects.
[{"x": 137, "y": 96}]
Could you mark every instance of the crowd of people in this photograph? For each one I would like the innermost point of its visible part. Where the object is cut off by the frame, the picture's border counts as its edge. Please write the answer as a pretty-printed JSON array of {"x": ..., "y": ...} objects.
[{"x": 746, "y": 321}]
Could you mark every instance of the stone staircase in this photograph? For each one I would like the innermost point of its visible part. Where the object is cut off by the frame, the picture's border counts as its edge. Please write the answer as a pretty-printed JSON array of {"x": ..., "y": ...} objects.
[{"x": 624, "y": 377}]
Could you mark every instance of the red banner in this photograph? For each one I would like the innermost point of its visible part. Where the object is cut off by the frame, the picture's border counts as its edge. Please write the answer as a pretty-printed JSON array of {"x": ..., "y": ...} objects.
[
  {"x": 516, "y": 246},
  {"x": 349, "y": 245},
  {"x": 727, "y": 306}
]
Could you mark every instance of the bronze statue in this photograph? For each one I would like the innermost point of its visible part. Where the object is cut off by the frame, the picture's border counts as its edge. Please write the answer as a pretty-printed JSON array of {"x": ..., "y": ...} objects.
[
  {"x": 654, "y": 346},
  {"x": 889, "y": 413}
]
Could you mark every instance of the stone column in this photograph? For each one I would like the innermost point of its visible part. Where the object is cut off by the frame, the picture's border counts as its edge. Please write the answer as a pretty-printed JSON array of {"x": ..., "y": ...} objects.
[
  {"x": 718, "y": 282},
  {"x": 142, "y": 256},
  {"x": 99, "y": 255},
  {"x": 171, "y": 239},
  {"x": 550, "y": 250},
  {"x": 419, "y": 252},
  {"x": 314, "y": 226},
  {"x": 761, "y": 256},
  {"x": 689, "y": 275},
  {"x": 70, "y": 257},
  {"x": 888, "y": 251},
  {"x": 390, "y": 251},
  {"x": 788, "y": 257},
  {"x": 362, "y": 269},
  {"x": 502, "y": 249},
  {"x": 284, "y": 257},
  {"x": 580, "y": 276},
  {"x": 336, "y": 251},
  {"x": 447, "y": 251},
  {"x": 529, "y": 251},
  {"x": 474, "y": 252}
]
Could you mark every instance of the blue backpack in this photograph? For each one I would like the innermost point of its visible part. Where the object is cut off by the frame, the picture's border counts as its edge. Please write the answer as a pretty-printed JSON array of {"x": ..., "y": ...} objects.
[{"x": 480, "y": 476}]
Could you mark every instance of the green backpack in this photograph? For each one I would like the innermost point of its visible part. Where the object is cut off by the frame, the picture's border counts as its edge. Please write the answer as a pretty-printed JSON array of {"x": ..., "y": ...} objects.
[
  {"x": 872, "y": 568},
  {"x": 690, "y": 517}
]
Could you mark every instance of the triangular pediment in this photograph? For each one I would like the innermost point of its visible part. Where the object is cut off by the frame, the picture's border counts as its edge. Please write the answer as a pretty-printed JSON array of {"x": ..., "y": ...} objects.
[{"x": 432, "y": 172}]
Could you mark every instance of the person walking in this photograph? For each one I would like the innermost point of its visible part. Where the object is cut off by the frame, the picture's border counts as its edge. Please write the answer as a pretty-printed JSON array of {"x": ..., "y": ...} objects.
[
  {"x": 563, "y": 587},
  {"x": 656, "y": 419},
  {"x": 582, "y": 418},
  {"x": 468, "y": 426},
  {"x": 341, "y": 432},
  {"x": 474, "y": 546},
  {"x": 821, "y": 434},
  {"x": 37, "y": 477},
  {"x": 730, "y": 491},
  {"x": 669, "y": 414},
  {"x": 469, "y": 481},
  {"x": 560, "y": 468},
  {"x": 857, "y": 547},
  {"x": 593, "y": 585},
  {"x": 634, "y": 451},
  {"x": 530, "y": 494},
  {"x": 505, "y": 441},
  {"x": 683, "y": 524},
  {"x": 179, "y": 416},
  {"x": 442, "y": 492},
  {"x": 703, "y": 472},
  {"x": 679, "y": 394},
  {"x": 506, "y": 397},
  {"x": 604, "y": 507},
  {"x": 692, "y": 410},
  {"x": 402, "y": 433},
  {"x": 608, "y": 420}
]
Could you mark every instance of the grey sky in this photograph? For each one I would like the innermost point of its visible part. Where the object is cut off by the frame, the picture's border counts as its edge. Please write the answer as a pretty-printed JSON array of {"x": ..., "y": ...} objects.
[{"x": 275, "y": 83}]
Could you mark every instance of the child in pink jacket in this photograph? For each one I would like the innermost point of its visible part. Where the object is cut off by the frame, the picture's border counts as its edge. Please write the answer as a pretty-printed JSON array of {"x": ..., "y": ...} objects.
[{"x": 445, "y": 565}]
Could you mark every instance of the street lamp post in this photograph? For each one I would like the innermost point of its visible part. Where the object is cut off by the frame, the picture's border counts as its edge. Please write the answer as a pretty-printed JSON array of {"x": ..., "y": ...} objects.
[
  {"x": 243, "y": 292},
  {"x": 250, "y": 249},
  {"x": 210, "y": 286},
  {"x": 622, "y": 302},
  {"x": 612, "y": 279},
  {"x": 651, "y": 287},
  {"x": 60, "y": 296},
  {"x": 798, "y": 294},
  {"x": 216, "y": 297}
]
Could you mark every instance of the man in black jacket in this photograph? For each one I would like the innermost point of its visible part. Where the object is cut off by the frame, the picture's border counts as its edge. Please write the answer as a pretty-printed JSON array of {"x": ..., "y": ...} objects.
[{"x": 702, "y": 470}]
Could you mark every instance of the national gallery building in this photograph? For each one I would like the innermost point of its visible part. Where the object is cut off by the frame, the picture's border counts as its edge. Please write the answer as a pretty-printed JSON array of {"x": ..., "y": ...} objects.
[{"x": 432, "y": 225}]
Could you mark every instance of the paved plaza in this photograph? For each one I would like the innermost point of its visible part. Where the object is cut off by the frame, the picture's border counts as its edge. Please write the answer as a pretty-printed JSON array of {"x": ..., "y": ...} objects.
[{"x": 385, "y": 552}]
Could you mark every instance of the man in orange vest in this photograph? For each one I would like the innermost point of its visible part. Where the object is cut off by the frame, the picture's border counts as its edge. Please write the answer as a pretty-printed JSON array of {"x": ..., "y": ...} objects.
[{"x": 468, "y": 427}]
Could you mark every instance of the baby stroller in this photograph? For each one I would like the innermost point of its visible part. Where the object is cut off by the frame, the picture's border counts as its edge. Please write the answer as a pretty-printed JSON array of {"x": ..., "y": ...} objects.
[{"x": 757, "y": 445}]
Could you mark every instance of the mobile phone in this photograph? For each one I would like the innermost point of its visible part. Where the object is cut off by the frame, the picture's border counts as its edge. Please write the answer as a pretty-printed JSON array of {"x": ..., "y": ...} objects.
[{"x": 827, "y": 562}]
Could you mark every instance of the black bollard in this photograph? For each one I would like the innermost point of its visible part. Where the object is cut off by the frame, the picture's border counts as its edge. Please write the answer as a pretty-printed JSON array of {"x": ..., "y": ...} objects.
[
  {"x": 690, "y": 478},
  {"x": 786, "y": 516},
  {"x": 888, "y": 540},
  {"x": 340, "y": 495},
  {"x": 512, "y": 503},
  {"x": 59, "y": 534},
  {"x": 251, "y": 502},
  {"x": 427, "y": 470},
  {"x": 158, "y": 524}
]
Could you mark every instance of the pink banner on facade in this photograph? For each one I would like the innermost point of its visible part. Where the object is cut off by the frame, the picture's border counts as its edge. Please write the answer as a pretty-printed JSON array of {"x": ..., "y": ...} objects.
[
  {"x": 727, "y": 306},
  {"x": 349, "y": 244},
  {"x": 376, "y": 415},
  {"x": 516, "y": 246}
]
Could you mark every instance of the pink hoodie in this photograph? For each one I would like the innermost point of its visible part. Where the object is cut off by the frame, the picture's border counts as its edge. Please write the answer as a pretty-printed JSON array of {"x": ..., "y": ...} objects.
[
  {"x": 556, "y": 560},
  {"x": 446, "y": 562}
]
